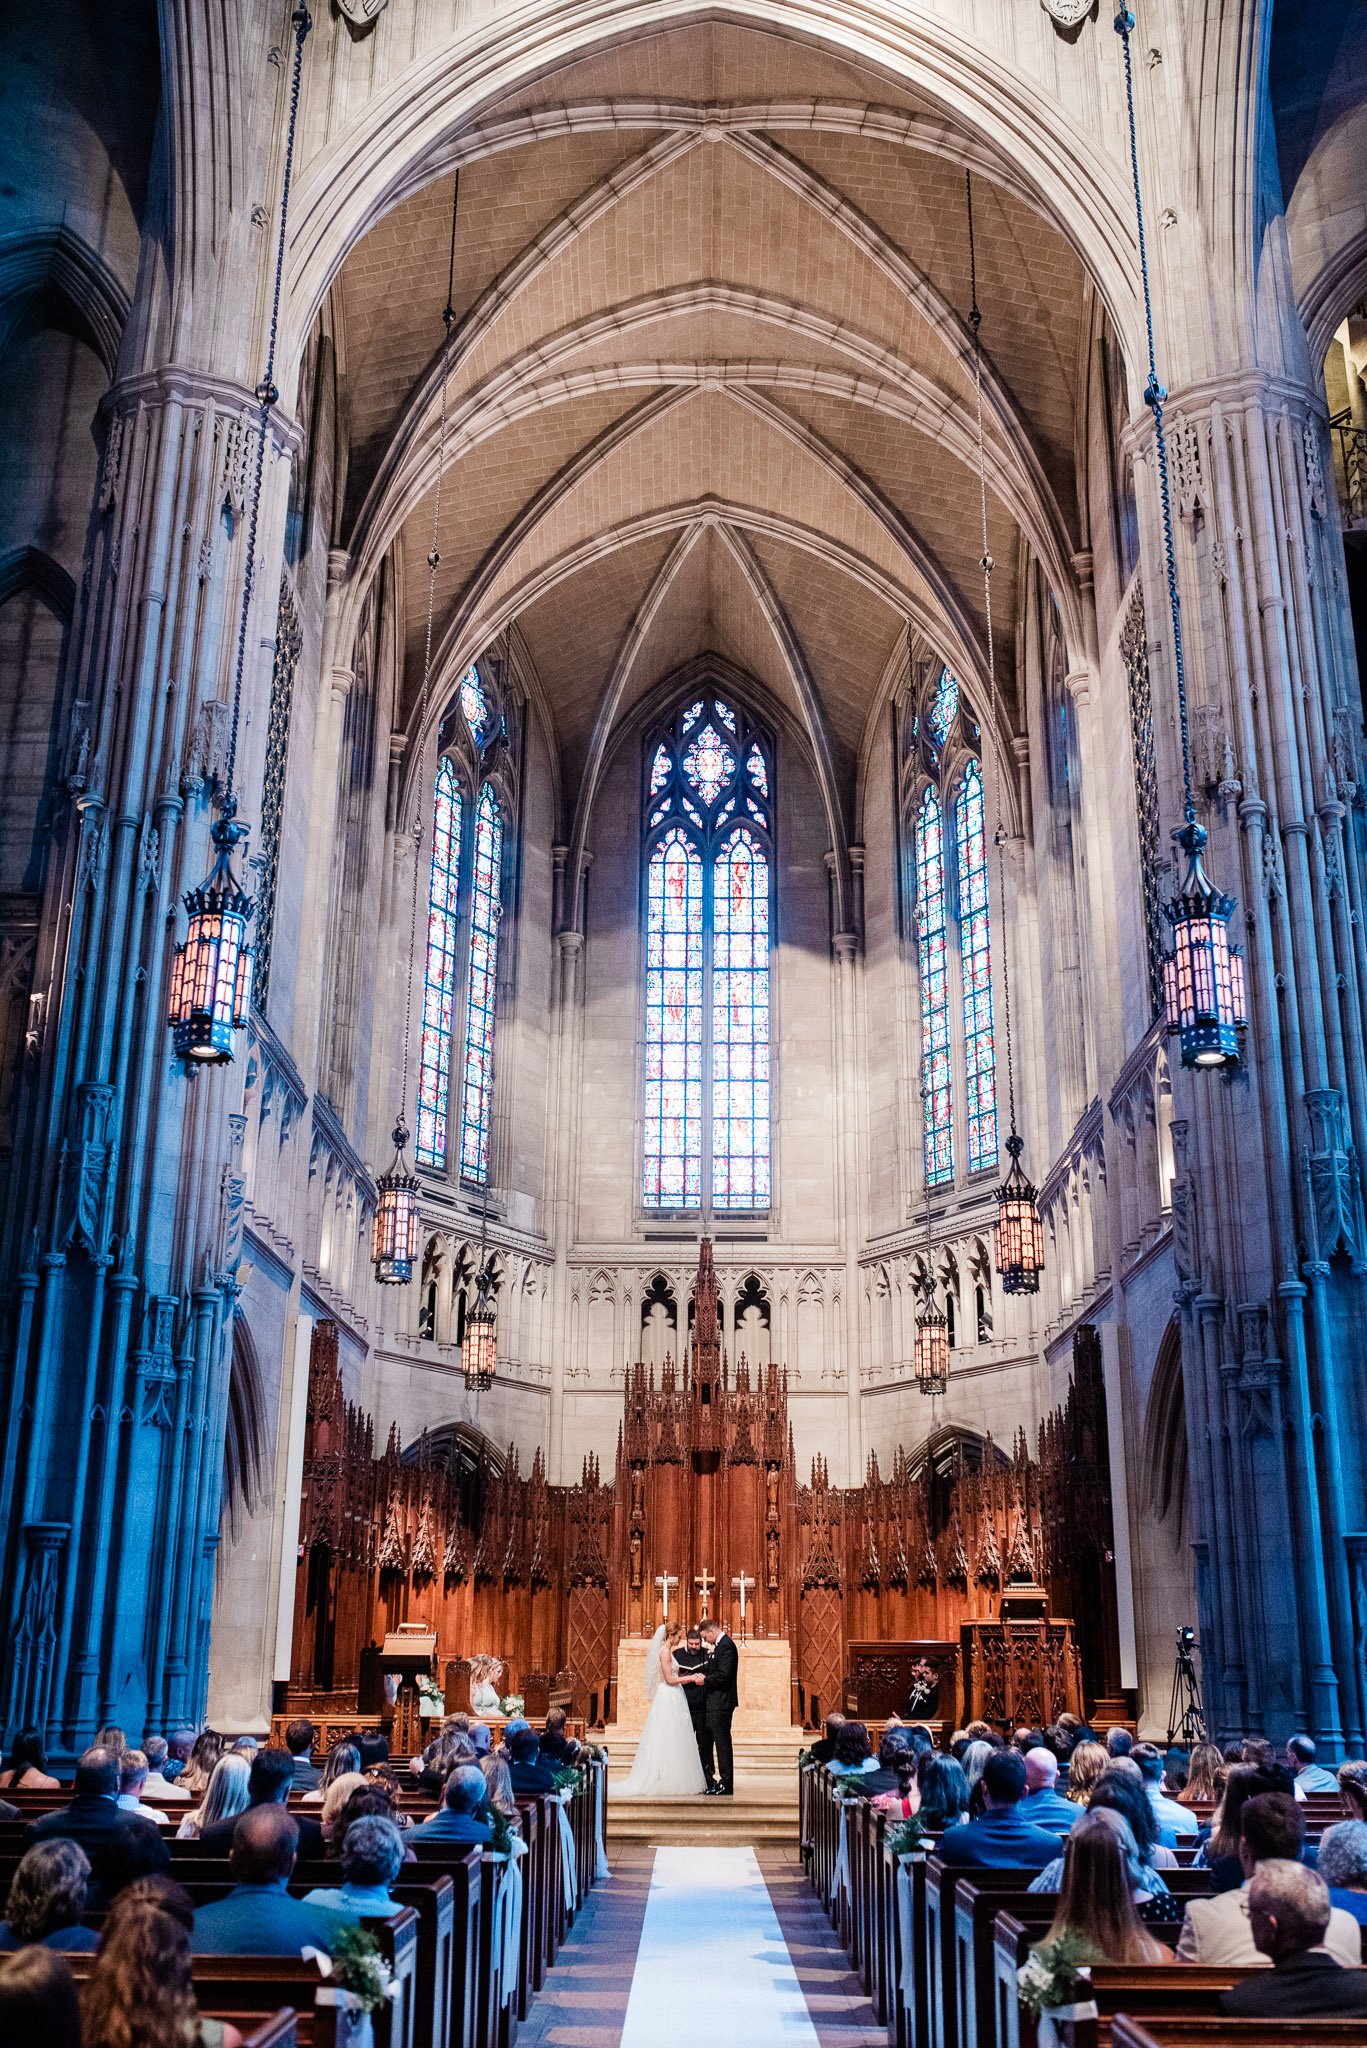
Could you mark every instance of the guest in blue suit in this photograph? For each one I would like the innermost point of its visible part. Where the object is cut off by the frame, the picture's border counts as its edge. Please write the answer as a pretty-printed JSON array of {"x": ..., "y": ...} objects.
[
  {"x": 1042, "y": 1806},
  {"x": 258, "y": 1917},
  {"x": 457, "y": 1822},
  {"x": 1003, "y": 1839}
]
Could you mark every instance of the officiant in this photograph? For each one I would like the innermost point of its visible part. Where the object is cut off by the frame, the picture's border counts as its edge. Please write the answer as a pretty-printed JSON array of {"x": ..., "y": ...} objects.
[{"x": 692, "y": 1655}]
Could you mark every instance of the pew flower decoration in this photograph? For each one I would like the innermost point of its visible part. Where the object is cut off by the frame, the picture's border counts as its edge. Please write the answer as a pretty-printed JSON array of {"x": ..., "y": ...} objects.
[
  {"x": 511, "y": 1704},
  {"x": 596, "y": 1752},
  {"x": 356, "y": 1966},
  {"x": 1055, "y": 1974},
  {"x": 571, "y": 1780},
  {"x": 906, "y": 1839},
  {"x": 804, "y": 1757},
  {"x": 850, "y": 1785},
  {"x": 501, "y": 1839}
]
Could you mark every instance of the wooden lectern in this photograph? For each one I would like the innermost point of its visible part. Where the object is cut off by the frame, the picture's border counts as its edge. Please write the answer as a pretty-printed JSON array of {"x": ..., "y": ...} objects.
[{"x": 408, "y": 1653}]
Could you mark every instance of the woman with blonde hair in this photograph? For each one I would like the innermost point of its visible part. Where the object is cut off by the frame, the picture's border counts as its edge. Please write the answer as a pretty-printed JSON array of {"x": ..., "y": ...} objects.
[
  {"x": 208, "y": 1748},
  {"x": 1096, "y": 1903},
  {"x": 1085, "y": 1767},
  {"x": 334, "y": 1807},
  {"x": 499, "y": 1779},
  {"x": 1205, "y": 1777},
  {"x": 1352, "y": 1778},
  {"x": 226, "y": 1796},
  {"x": 343, "y": 1760}
]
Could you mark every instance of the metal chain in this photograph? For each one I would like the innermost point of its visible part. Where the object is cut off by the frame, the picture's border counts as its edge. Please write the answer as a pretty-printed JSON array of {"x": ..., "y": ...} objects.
[
  {"x": 999, "y": 836},
  {"x": 301, "y": 21},
  {"x": 1154, "y": 396},
  {"x": 448, "y": 318}
]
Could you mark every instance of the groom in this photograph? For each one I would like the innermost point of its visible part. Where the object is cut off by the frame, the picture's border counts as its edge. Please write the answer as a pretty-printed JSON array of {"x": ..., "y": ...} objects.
[{"x": 719, "y": 1704}]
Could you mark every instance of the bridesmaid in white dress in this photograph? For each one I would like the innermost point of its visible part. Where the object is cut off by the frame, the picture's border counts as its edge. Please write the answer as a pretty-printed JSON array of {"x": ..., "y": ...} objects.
[{"x": 667, "y": 1763}]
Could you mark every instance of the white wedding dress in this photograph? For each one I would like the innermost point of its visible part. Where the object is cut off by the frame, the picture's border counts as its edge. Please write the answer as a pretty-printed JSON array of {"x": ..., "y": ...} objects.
[{"x": 667, "y": 1763}]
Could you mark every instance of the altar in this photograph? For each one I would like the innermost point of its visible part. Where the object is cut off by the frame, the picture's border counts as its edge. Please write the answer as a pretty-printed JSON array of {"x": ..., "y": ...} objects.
[{"x": 764, "y": 1684}]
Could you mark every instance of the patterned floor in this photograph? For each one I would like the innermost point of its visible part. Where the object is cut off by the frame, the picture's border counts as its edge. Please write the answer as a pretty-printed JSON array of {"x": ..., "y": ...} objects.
[{"x": 584, "y": 2002}]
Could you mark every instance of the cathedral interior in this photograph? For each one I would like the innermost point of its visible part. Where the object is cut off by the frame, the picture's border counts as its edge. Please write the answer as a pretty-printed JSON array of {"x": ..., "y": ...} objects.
[{"x": 682, "y": 845}]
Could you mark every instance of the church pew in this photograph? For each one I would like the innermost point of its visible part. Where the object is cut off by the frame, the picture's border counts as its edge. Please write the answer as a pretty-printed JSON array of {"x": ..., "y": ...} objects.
[
  {"x": 281, "y": 2030},
  {"x": 976, "y": 1908},
  {"x": 943, "y": 1882},
  {"x": 1218, "y": 2032},
  {"x": 252, "y": 1992}
]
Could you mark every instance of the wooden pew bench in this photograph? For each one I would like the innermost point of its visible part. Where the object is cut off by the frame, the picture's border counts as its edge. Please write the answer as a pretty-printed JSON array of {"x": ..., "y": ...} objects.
[{"x": 1218, "y": 2032}]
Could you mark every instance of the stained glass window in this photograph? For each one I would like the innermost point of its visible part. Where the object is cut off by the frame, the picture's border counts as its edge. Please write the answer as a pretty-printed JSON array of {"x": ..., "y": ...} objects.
[
  {"x": 708, "y": 907},
  {"x": 709, "y": 764},
  {"x": 672, "y": 1172},
  {"x": 944, "y": 706},
  {"x": 975, "y": 959},
  {"x": 439, "y": 981},
  {"x": 932, "y": 953},
  {"x": 740, "y": 1025},
  {"x": 474, "y": 703},
  {"x": 476, "y": 1100}
]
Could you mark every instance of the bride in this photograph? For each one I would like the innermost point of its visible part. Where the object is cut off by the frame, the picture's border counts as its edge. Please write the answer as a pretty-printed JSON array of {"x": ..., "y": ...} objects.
[{"x": 667, "y": 1763}]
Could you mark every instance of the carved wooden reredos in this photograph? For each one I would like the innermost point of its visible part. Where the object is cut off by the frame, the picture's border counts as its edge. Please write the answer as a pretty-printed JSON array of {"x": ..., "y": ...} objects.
[{"x": 704, "y": 1491}]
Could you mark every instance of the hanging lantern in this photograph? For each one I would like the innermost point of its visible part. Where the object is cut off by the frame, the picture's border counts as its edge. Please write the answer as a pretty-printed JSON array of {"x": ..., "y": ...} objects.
[
  {"x": 479, "y": 1351},
  {"x": 1018, "y": 1236},
  {"x": 211, "y": 973},
  {"x": 1205, "y": 987},
  {"x": 398, "y": 1226},
  {"x": 932, "y": 1346}
]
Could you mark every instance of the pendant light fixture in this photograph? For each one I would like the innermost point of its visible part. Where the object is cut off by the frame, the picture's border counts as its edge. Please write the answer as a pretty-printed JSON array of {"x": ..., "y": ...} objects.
[
  {"x": 211, "y": 971},
  {"x": 1205, "y": 985},
  {"x": 1018, "y": 1235},
  {"x": 931, "y": 1355},
  {"x": 396, "y": 1232}
]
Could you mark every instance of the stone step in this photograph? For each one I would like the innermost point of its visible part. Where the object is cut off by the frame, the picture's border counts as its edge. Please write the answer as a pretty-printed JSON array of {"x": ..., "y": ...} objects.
[{"x": 700, "y": 1822}]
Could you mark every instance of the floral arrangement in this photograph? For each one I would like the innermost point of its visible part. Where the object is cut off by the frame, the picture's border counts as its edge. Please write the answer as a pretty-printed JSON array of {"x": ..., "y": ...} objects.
[
  {"x": 850, "y": 1785},
  {"x": 570, "y": 1778},
  {"x": 804, "y": 1757},
  {"x": 596, "y": 1752},
  {"x": 511, "y": 1704},
  {"x": 358, "y": 1967},
  {"x": 431, "y": 1694},
  {"x": 502, "y": 1836},
  {"x": 906, "y": 1838},
  {"x": 923, "y": 1682},
  {"x": 1056, "y": 1973}
]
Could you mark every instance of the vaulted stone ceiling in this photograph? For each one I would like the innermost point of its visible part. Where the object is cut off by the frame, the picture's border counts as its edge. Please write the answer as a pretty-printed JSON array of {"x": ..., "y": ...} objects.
[{"x": 711, "y": 390}]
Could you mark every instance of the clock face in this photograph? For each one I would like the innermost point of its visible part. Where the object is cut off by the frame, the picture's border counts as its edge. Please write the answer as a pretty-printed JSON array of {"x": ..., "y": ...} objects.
[{"x": 1068, "y": 12}]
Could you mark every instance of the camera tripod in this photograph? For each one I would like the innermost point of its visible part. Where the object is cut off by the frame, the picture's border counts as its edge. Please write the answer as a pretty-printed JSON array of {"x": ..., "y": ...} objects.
[{"x": 1186, "y": 1722}]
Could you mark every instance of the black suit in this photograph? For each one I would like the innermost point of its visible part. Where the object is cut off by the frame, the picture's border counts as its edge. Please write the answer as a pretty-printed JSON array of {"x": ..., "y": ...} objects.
[
  {"x": 90, "y": 1820},
  {"x": 1309, "y": 1986},
  {"x": 217, "y": 1840},
  {"x": 719, "y": 1704},
  {"x": 696, "y": 1695}
]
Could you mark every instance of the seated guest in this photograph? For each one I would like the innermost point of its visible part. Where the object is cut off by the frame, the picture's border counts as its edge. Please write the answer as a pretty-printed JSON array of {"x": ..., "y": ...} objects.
[
  {"x": 225, "y": 1797},
  {"x": 556, "y": 1746},
  {"x": 1176, "y": 1771},
  {"x": 371, "y": 1801},
  {"x": 1002, "y": 1839},
  {"x": 374, "y": 1748},
  {"x": 1042, "y": 1806},
  {"x": 112, "y": 1739},
  {"x": 529, "y": 1774},
  {"x": 258, "y": 1917},
  {"x": 481, "y": 1735},
  {"x": 343, "y": 1761},
  {"x": 1205, "y": 1776},
  {"x": 498, "y": 1786},
  {"x": 1217, "y": 1932},
  {"x": 27, "y": 1769},
  {"x": 268, "y": 1784},
  {"x": 159, "y": 1785},
  {"x": 893, "y": 1747},
  {"x": 208, "y": 1748},
  {"x": 1148, "y": 1889},
  {"x": 1289, "y": 1915},
  {"x": 1096, "y": 1905},
  {"x": 180, "y": 1745},
  {"x": 1219, "y": 1853},
  {"x": 453, "y": 1746},
  {"x": 1342, "y": 1863},
  {"x": 824, "y": 1748},
  {"x": 336, "y": 1800},
  {"x": 1258, "y": 1751},
  {"x": 133, "y": 1774},
  {"x": 853, "y": 1751},
  {"x": 93, "y": 1813},
  {"x": 1086, "y": 1767},
  {"x": 136, "y": 1849},
  {"x": 983, "y": 1731},
  {"x": 1306, "y": 1775},
  {"x": 1121, "y": 1790},
  {"x": 1174, "y": 1822},
  {"x": 944, "y": 1794},
  {"x": 47, "y": 1897},
  {"x": 1119, "y": 1742},
  {"x": 458, "y": 1820},
  {"x": 299, "y": 1738},
  {"x": 140, "y": 1993},
  {"x": 38, "y": 2001},
  {"x": 372, "y": 1857}
]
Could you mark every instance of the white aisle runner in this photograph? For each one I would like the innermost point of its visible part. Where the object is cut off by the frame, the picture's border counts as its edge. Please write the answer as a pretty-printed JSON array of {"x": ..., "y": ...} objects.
[{"x": 713, "y": 1964}]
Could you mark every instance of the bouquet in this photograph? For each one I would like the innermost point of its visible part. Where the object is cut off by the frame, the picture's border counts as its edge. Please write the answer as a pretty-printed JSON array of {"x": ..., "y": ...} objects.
[
  {"x": 1054, "y": 1974},
  {"x": 511, "y": 1704},
  {"x": 431, "y": 1698}
]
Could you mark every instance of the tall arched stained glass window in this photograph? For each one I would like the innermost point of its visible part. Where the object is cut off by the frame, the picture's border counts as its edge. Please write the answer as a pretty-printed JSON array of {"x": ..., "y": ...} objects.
[
  {"x": 672, "y": 1172},
  {"x": 932, "y": 951},
  {"x": 439, "y": 980},
  {"x": 975, "y": 962},
  {"x": 708, "y": 909},
  {"x": 476, "y": 1099},
  {"x": 740, "y": 1024}
]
